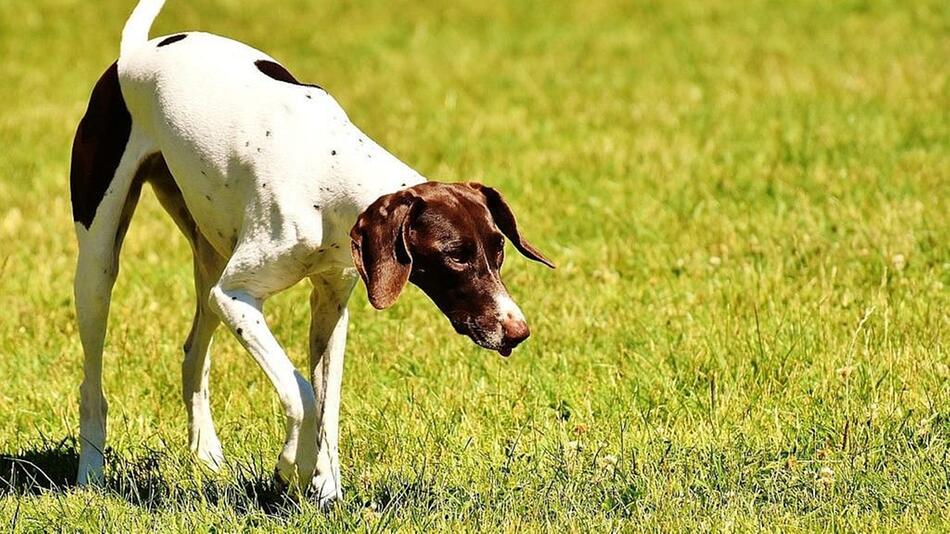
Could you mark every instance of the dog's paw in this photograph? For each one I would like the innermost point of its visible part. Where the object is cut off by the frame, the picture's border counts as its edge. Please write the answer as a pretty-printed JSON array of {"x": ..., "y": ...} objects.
[
  {"x": 325, "y": 490},
  {"x": 90, "y": 475},
  {"x": 210, "y": 454}
]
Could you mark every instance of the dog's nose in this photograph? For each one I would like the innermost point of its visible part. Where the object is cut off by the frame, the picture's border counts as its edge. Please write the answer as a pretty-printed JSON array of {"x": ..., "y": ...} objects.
[{"x": 515, "y": 330}]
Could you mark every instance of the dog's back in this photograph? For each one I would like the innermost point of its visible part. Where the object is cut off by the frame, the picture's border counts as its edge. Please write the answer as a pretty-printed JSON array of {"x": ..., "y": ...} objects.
[{"x": 236, "y": 130}]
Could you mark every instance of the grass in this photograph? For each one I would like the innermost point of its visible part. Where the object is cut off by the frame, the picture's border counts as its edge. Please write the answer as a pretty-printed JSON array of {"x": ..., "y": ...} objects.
[{"x": 748, "y": 203}]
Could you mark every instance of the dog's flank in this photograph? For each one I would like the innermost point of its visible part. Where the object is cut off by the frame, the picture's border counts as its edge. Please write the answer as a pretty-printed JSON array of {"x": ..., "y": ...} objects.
[{"x": 266, "y": 177}]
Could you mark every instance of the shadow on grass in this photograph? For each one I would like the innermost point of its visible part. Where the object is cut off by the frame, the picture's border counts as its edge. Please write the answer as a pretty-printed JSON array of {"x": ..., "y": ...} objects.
[{"x": 51, "y": 468}]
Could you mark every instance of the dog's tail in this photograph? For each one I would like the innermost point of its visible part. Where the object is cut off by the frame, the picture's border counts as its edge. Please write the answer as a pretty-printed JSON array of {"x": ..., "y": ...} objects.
[{"x": 135, "y": 33}]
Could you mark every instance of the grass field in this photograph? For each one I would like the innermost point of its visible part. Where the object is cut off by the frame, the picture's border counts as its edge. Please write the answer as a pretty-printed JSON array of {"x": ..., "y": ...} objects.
[{"x": 748, "y": 328}]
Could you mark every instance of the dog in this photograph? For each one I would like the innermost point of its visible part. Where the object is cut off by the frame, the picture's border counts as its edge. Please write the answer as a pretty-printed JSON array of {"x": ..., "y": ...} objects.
[{"x": 268, "y": 180}]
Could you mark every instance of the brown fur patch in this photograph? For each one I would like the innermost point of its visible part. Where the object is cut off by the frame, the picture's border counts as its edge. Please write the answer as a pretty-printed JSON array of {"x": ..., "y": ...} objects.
[
  {"x": 277, "y": 72},
  {"x": 98, "y": 146},
  {"x": 172, "y": 39}
]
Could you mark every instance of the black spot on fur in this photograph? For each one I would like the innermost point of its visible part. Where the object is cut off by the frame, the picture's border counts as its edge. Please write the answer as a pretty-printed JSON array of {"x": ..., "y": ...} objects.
[
  {"x": 173, "y": 39},
  {"x": 98, "y": 146},
  {"x": 279, "y": 73},
  {"x": 240, "y": 331},
  {"x": 333, "y": 152}
]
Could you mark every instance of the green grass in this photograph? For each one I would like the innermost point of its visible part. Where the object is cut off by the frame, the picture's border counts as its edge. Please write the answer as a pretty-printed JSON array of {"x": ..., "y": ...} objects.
[{"x": 748, "y": 203}]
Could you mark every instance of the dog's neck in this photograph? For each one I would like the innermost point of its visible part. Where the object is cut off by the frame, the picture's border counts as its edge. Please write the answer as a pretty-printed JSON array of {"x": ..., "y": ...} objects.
[{"x": 369, "y": 172}]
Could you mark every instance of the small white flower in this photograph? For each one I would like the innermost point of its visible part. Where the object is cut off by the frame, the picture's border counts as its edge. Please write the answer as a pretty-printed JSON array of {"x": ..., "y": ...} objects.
[
  {"x": 899, "y": 262},
  {"x": 826, "y": 475},
  {"x": 715, "y": 261}
]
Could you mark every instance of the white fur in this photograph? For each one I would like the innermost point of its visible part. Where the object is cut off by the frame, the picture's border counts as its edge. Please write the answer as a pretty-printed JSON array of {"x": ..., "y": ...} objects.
[
  {"x": 508, "y": 310},
  {"x": 274, "y": 181}
]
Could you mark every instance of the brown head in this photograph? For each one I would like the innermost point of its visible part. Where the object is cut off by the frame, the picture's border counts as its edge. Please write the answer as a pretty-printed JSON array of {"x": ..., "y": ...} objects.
[{"x": 449, "y": 240}]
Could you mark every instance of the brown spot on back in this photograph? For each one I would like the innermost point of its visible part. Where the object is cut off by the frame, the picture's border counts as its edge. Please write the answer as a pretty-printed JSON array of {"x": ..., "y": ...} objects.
[
  {"x": 98, "y": 146},
  {"x": 277, "y": 72},
  {"x": 172, "y": 39}
]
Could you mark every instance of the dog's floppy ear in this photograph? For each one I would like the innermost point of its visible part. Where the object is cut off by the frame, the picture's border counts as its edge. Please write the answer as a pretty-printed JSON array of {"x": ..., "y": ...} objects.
[
  {"x": 505, "y": 220},
  {"x": 378, "y": 245}
]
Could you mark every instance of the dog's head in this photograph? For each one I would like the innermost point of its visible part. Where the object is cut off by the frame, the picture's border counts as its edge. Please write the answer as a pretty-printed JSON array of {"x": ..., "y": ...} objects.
[{"x": 449, "y": 240}]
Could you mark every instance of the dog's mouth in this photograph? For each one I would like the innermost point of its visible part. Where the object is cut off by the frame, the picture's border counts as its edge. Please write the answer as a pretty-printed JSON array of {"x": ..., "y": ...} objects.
[
  {"x": 501, "y": 348},
  {"x": 490, "y": 339}
]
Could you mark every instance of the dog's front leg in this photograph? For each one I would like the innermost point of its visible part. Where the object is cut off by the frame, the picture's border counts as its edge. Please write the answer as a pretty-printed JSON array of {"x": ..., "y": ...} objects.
[
  {"x": 241, "y": 312},
  {"x": 328, "y": 325}
]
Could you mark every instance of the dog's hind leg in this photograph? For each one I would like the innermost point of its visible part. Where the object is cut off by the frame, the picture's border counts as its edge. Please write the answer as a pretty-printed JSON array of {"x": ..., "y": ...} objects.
[
  {"x": 105, "y": 183},
  {"x": 196, "y": 365}
]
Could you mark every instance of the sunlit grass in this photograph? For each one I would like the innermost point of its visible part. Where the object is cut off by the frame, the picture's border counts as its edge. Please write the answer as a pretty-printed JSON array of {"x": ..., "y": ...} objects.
[{"x": 747, "y": 202}]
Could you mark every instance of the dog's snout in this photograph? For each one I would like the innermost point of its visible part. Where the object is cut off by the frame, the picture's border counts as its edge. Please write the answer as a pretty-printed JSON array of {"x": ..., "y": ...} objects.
[{"x": 515, "y": 330}]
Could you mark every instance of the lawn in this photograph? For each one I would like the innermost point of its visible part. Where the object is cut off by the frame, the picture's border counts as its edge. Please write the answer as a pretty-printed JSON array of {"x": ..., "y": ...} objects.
[{"x": 748, "y": 327}]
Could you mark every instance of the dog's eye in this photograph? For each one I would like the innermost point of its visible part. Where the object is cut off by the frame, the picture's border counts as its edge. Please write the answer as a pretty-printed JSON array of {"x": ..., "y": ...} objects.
[
  {"x": 458, "y": 255},
  {"x": 500, "y": 254}
]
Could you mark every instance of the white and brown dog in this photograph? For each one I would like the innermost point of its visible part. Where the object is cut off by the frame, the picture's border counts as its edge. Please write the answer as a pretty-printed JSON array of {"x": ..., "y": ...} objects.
[{"x": 269, "y": 181}]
